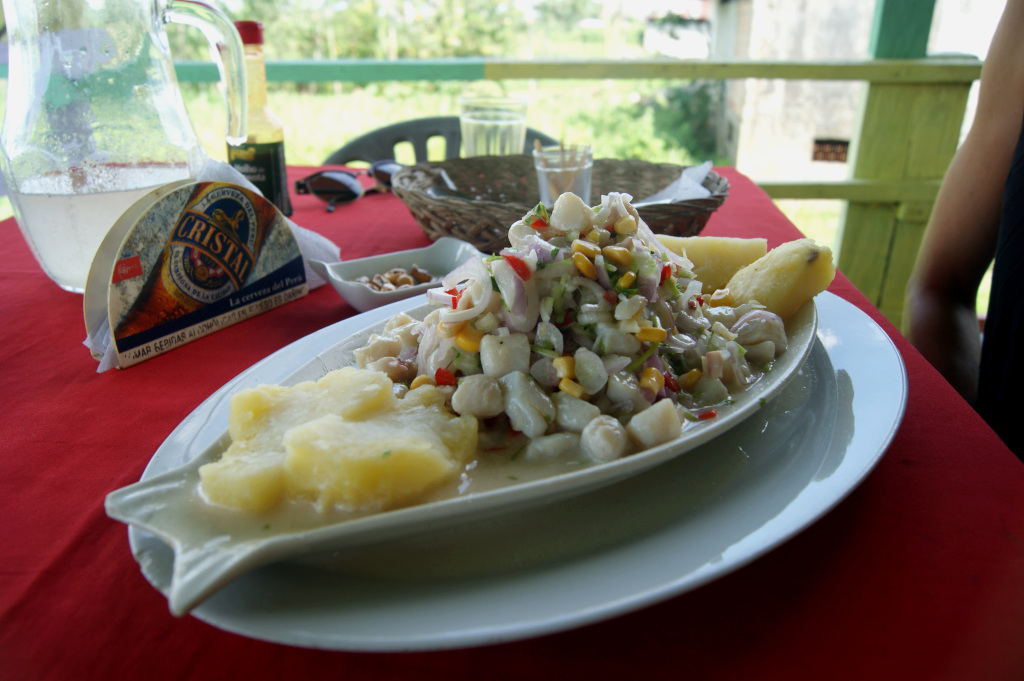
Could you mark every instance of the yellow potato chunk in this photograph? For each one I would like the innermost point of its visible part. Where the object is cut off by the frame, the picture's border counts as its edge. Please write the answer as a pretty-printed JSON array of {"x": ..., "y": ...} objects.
[
  {"x": 348, "y": 392},
  {"x": 786, "y": 278},
  {"x": 245, "y": 481},
  {"x": 370, "y": 464},
  {"x": 716, "y": 258},
  {"x": 344, "y": 440}
]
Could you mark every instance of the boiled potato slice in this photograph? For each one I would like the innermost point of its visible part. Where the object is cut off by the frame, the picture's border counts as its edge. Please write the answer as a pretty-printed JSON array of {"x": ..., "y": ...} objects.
[
  {"x": 348, "y": 392},
  {"x": 368, "y": 465},
  {"x": 343, "y": 440},
  {"x": 247, "y": 481},
  {"x": 786, "y": 278},
  {"x": 716, "y": 258}
]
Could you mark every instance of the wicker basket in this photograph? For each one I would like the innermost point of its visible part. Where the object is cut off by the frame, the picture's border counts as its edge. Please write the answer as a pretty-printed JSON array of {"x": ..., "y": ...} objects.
[{"x": 494, "y": 192}]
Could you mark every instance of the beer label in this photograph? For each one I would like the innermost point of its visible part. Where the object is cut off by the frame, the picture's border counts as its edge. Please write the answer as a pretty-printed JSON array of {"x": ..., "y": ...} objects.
[
  {"x": 197, "y": 257},
  {"x": 213, "y": 245}
]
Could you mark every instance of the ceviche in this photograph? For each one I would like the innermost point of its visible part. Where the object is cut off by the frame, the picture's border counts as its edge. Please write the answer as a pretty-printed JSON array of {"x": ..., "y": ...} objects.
[{"x": 588, "y": 334}]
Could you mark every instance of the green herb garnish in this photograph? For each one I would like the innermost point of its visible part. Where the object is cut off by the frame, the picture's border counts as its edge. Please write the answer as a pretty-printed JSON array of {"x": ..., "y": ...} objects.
[{"x": 636, "y": 363}]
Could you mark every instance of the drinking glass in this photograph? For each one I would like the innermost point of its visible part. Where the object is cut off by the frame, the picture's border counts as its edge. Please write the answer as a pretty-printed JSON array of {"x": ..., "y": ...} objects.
[
  {"x": 493, "y": 126},
  {"x": 564, "y": 168}
]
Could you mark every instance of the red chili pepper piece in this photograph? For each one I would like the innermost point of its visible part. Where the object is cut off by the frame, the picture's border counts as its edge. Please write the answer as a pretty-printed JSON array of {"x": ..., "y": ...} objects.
[
  {"x": 665, "y": 272},
  {"x": 444, "y": 377},
  {"x": 670, "y": 382},
  {"x": 611, "y": 297},
  {"x": 705, "y": 415},
  {"x": 455, "y": 294},
  {"x": 539, "y": 224},
  {"x": 520, "y": 267}
]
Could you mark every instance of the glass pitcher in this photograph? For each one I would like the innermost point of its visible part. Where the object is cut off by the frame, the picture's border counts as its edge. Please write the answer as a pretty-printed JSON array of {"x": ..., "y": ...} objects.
[{"x": 94, "y": 117}]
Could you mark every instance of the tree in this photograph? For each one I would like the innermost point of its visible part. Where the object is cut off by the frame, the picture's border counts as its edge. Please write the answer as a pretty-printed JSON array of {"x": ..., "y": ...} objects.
[
  {"x": 566, "y": 14},
  {"x": 378, "y": 29}
]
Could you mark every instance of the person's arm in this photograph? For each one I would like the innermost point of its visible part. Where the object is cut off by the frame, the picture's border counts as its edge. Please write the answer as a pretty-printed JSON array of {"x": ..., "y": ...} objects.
[{"x": 940, "y": 316}]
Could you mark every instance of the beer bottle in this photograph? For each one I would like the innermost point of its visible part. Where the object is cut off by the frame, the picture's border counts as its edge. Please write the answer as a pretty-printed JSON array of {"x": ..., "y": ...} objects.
[
  {"x": 261, "y": 158},
  {"x": 210, "y": 254}
]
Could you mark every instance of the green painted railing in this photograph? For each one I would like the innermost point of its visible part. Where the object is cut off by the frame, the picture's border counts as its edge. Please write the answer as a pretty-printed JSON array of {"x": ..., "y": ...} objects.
[
  {"x": 936, "y": 70},
  {"x": 918, "y": 71}
]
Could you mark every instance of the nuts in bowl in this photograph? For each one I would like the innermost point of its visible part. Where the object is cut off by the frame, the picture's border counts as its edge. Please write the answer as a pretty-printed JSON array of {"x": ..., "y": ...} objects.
[
  {"x": 397, "y": 278},
  {"x": 367, "y": 283}
]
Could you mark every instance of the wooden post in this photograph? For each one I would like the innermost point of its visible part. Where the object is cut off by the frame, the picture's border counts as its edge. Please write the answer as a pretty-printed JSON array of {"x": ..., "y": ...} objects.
[
  {"x": 906, "y": 132},
  {"x": 901, "y": 29}
]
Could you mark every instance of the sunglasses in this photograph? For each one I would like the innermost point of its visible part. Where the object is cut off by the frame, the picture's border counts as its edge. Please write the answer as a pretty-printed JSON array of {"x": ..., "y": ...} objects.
[{"x": 342, "y": 186}]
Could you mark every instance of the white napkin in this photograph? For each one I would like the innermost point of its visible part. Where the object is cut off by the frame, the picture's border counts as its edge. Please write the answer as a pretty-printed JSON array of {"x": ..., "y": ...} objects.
[
  {"x": 688, "y": 186},
  {"x": 98, "y": 341},
  {"x": 311, "y": 245}
]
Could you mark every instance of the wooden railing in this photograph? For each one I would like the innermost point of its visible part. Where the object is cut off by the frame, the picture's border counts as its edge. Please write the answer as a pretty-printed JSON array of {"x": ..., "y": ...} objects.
[
  {"x": 919, "y": 71},
  {"x": 908, "y": 130}
]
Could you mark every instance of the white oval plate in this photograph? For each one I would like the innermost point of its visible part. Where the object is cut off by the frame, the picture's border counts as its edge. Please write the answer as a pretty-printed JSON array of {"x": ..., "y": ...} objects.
[
  {"x": 211, "y": 549},
  {"x": 439, "y": 258}
]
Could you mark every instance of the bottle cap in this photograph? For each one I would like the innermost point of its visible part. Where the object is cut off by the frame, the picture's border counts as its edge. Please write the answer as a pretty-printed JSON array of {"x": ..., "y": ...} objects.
[{"x": 251, "y": 32}]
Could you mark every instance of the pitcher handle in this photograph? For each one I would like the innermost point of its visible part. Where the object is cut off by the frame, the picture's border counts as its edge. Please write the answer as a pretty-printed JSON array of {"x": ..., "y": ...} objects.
[{"x": 226, "y": 46}]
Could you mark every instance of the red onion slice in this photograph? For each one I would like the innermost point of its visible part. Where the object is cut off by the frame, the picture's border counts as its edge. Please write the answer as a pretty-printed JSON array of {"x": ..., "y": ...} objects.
[
  {"x": 473, "y": 279},
  {"x": 521, "y": 301}
]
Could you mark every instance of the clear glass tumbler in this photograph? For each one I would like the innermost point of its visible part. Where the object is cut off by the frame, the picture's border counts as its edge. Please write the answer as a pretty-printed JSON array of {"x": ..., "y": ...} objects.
[
  {"x": 564, "y": 168},
  {"x": 492, "y": 126}
]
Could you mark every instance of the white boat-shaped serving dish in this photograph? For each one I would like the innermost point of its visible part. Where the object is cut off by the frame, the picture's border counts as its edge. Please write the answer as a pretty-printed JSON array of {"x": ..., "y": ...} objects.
[{"x": 213, "y": 546}]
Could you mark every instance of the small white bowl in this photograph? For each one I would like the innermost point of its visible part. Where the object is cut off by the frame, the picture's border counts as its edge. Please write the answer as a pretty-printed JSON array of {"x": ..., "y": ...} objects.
[{"x": 440, "y": 258}]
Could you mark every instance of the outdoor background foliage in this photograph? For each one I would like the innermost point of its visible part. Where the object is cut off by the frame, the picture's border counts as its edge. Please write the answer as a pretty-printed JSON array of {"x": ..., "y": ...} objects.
[
  {"x": 664, "y": 121},
  {"x": 668, "y": 121}
]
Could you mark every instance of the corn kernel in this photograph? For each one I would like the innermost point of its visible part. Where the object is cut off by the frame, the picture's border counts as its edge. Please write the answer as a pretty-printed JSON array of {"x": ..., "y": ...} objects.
[
  {"x": 652, "y": 379},
  {"x": 421, "y": 380},
  {"x": 627, "y": 280},
  {"x": 584, "y": 265},
  {"x": 625, "y": 225},
  {"x": 617, "y": 255},
  {"x": 571, "y": 387},
  {"x": 468, "y": 338},
  {"x": 651, "y": 334},
  {"x": 689, "y": 379},
  {"x": 587, "y": 248},
  {"x": 449, "y": 330},
  {"x": 722, "y": 298},
  {"x": 565, "y": 366}
]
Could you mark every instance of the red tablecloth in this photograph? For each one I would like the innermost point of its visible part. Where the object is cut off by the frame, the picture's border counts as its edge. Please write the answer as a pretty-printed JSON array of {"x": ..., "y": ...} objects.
[{"x": 918, "y": 574}]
